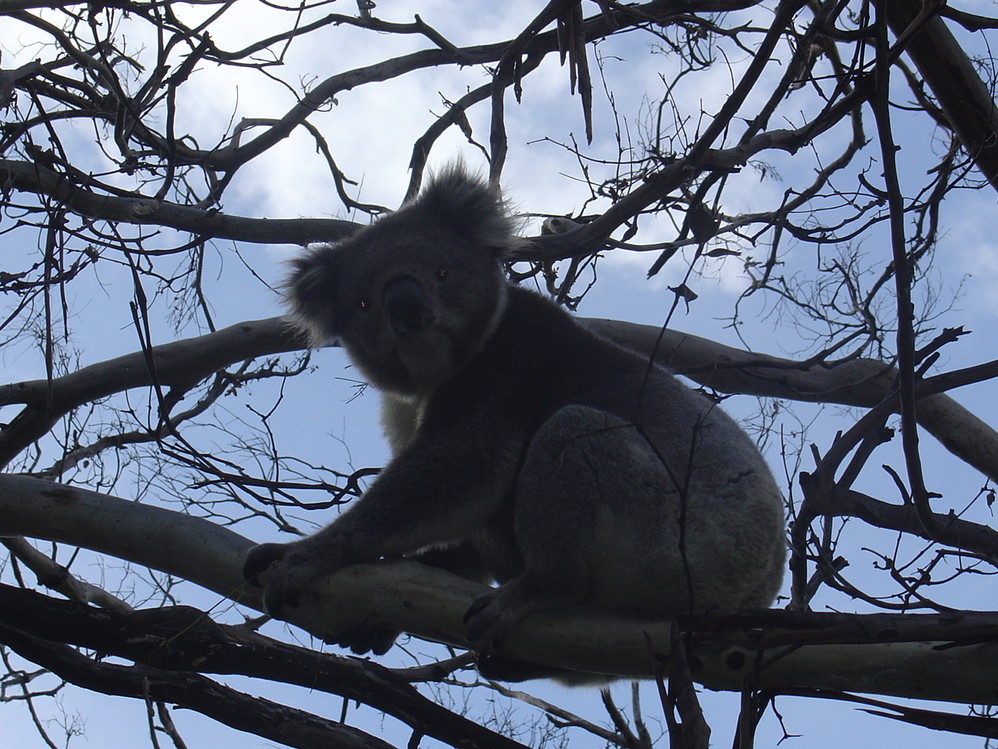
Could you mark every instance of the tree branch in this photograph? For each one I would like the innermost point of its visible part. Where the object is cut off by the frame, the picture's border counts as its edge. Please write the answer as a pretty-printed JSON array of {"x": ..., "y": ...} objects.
[
  {"x": 202, "y": 222},
  {"x": 954, "y": 81},
  {"x": 179, "y": 365},
  {"x": 856, "y": 382},
  {"x": 286, "y": 725},
  {"x": 182, "y": 364},
  {"x": 880, "y": 654},
  {"x": 179, "y": 640}
]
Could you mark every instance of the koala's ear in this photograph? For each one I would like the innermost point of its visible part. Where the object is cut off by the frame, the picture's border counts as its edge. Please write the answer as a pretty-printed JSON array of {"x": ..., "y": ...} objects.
[
  {"x": 311, "y": 292},
  {"x": 470, "y": 206}
]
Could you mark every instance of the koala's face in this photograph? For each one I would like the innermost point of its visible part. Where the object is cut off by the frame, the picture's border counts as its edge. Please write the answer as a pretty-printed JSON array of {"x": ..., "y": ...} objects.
[
  {"x": 415, "y": 295},
  {"x": 410, "y": 304}
]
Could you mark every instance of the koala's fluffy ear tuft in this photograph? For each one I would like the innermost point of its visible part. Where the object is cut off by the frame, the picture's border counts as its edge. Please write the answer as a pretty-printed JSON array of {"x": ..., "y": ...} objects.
[
  {"x": 311, "y": 292},
  {"x": 469, "y": 205}
]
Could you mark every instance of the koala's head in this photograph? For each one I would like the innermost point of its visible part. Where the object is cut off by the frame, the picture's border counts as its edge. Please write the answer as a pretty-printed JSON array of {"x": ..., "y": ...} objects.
[{"x": 415, "y": 295}]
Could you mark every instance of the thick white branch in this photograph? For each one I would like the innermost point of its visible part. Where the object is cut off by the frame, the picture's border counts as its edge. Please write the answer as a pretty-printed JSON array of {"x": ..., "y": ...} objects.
[{"x": 430, "y": 603}]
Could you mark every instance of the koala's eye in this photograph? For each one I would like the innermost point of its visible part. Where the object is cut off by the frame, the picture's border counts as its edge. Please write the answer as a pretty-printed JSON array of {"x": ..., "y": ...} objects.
[
  {"x": 441, "y": 273},
  {"x": 363, "y": 305}
]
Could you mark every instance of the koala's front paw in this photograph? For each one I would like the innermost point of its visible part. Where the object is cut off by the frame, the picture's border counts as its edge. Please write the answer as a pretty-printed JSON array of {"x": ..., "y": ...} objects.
[
  {"x": 488, "y": 620},
  {"x": 259, "y": 558},
  {"x": 289, "y": 571}
]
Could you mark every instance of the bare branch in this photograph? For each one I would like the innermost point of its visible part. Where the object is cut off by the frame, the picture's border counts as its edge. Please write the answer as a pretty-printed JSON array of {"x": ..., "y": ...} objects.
[
  {"x": 904, "y": 659},
  {"x": 944, "y": 65},
  {"x": 172, "y": 644},
  {"x": 201, "y": 222},
  {"x": 245, "y": 712}
]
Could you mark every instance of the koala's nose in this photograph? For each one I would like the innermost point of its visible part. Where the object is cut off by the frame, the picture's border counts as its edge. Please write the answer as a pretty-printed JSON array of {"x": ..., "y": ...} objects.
[{"x": 406, "y": 305}]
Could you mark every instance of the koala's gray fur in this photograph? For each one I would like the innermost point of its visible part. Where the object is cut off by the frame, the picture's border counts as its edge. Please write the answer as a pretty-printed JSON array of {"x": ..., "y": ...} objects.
[{"x": 528, "y": 450}]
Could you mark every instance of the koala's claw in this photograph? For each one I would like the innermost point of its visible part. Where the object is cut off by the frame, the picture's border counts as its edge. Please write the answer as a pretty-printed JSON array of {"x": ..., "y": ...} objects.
[
  {"x": 486, "y": 622},
  {"x": 287, "y": 574},
  {"x": 259, "y": 559}
]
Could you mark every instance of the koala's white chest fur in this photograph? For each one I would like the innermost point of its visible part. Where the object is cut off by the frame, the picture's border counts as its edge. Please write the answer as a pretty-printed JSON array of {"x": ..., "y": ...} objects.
[{"x": 400, "y": 418}]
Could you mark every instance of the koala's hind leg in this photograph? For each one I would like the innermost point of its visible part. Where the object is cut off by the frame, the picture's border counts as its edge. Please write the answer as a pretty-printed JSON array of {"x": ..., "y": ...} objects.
[{"x": 568, "y": 510}]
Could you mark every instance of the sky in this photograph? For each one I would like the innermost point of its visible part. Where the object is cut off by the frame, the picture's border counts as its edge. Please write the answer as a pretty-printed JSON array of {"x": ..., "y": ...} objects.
[{"x": 324, "y": 420}]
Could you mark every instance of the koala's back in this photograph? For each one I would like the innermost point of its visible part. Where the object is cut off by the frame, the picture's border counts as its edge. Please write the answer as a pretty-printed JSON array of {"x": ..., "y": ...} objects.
[{"x": 667, "y": 501}]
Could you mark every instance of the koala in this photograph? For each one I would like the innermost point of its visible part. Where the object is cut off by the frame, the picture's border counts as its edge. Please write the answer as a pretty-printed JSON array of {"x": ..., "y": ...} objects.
[{"x": 527, "y": 450}]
